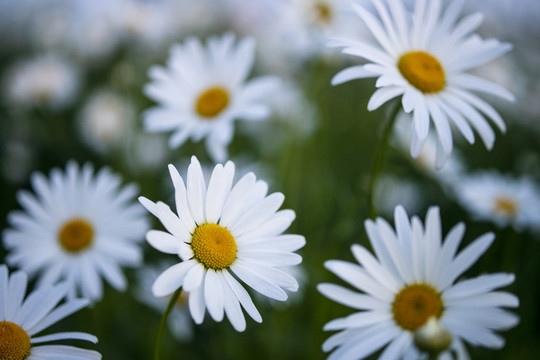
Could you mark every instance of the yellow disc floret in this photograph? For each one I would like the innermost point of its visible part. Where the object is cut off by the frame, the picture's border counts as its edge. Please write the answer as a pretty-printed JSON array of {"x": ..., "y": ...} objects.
[
  {"x": 506, "y": 206},
  {"x": 323, "y": 12},
  {"x": 212, "y": 102},
  {"x": 213, "y": 246},
  {"x": 76, "y": 235},
  {"x": 423, "y": 71},
  {"x": 14, "y": 342},
  {"x": 415, "y": 304}
]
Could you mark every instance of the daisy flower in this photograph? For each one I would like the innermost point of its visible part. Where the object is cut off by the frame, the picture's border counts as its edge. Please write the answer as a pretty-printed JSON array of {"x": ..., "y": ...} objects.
[
  {"x": 424, "y": 58},
  {"x": 220, "y": 230},
  {"x": 21, "y": 319},
  {"x": 502, "y": 199},
  {"x": 46, "y": 80},
  {"x": 409, "y": 299},
  {"x": 79, "y": 227},
  {"x": 204, "y": 89}
]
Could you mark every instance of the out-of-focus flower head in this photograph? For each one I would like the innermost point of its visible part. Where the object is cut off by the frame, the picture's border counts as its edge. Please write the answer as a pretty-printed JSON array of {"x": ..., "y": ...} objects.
[
  {"x": 78, "y": 227},
  {"x": 46, "y": 80}
]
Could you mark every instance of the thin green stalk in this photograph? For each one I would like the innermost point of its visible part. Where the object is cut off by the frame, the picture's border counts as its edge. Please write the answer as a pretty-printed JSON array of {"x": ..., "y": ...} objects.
[
  {"x": 379, "y": 160},
  {"x": 163, "y": 321}
]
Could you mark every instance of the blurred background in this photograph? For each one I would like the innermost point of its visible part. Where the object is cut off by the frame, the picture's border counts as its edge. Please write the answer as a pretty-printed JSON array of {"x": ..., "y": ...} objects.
[{"x": 71, "y": 87}]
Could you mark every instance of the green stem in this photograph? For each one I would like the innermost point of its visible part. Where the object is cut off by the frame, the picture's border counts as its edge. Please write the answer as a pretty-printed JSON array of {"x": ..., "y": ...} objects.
[
  {"x": 163, "y": 321},
  {"x": 379, "y": 160}
]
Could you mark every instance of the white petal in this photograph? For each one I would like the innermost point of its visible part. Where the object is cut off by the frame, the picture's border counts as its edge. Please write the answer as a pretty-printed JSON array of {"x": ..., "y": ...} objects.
[
  {"x": 182, "y": 206},
  {"x": 257, "y": 214},
  {"x": 231, "y": 305},
  {"x": 171, "y": 279},
  {"x": 351, "y": 73},
  {"x": 62, "y": 352},
  {"x": 243, "y": 296},
  {"x": 64, "y": 336},
  {"x": 351, "y": 298},
  {"x": 213, "y": 295},
  {"x": 219, "y": 188},
  {"x": 197, "y": 306},
  {"x": 196, "y": 191},
  {"x": 163, "y": 241},
  {"x": 468, "y": 257},
  {"x": 359, "y": 319},
  {"x": 259, "y": 283},
  {"x": 357, "y": 277},
  {"x": 236, "y": 199},
  {"x": 382, "y": 95},
  {"x": 52, "y": 317}
]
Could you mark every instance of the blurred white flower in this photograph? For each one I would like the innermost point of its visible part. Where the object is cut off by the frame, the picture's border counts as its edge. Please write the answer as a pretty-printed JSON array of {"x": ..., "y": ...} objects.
[
  {"x": 46, "y": 80},
  {"x": 502, "y": 199},
  {"x": 204, "y": 89},
  {"x": 412, "y": 280},
  {"x": 391, "y": 191},
  {"x": 21, "y": 319},
  {"x": 218, "y": 229},
  {"x": 78, "y": 227},
  {"x": 146, "y": 151},
  {"x": 179, "y": 320},
  {"x": 106, "y": 120},
  {"x": 311, "y": 22},
  {"x": 423, "y": 59},
  {"x": 150, "y": 23}
]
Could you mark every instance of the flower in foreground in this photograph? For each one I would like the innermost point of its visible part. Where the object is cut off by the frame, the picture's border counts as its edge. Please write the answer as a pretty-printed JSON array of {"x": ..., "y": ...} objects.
[
  {"x": 78, "y": 227},
  {"x": 21, "y": 319},
  {"x": 424, "y": 58},
  {"x": 409, "y": 296},
  {"x": 220, "y": 230},
  {"x": 204, "y": 89},
  {"x": 502, "y": 199}
]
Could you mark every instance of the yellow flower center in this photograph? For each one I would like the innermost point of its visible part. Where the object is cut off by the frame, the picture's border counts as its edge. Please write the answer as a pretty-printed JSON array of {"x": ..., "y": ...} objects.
[
  {"x": 506, "y": 206},
  {"x": 212, "y": 101},
  {"x": 14, "y": 342},
  {"x": 213, "y": 246},
  {"x": 415, "y": 304},
  {"x": 423, "y": 71},
  {"x": 323, "y": 12},
  {"x": 76, "y": 235}
]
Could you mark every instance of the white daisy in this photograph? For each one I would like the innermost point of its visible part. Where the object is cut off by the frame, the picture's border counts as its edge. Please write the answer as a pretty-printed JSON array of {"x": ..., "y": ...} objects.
[
  {"x": 221, "y": 230},
  {"x": 106, "y": 120},
  {"x": 47, "y": 80},
  {"x": 502, "y": 199},
  {"x": 424, "y": 59},
  {"x": 78, "y": 228},
  {"x": 204, "y": 89},
  {"x": 411, "y": 281},
  {"x": 310, "y": 22},
  {"x": 22, "y": 319}
]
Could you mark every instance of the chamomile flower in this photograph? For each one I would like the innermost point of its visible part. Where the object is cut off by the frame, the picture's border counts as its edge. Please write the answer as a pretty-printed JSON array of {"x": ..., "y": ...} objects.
[
  {"x": 502, "y": 199},
  {"x": 47, "y": 80},
  {"x": 106, "y": 120},
  {"x": 220, "y": 230},
  {"x": 424, "y": 58},
  {"x": 22, "y": 319},
  {"x": 408, "y": 297},
  {"x": 204, "y": 89},
  {"x": 79, "y": 228}
]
